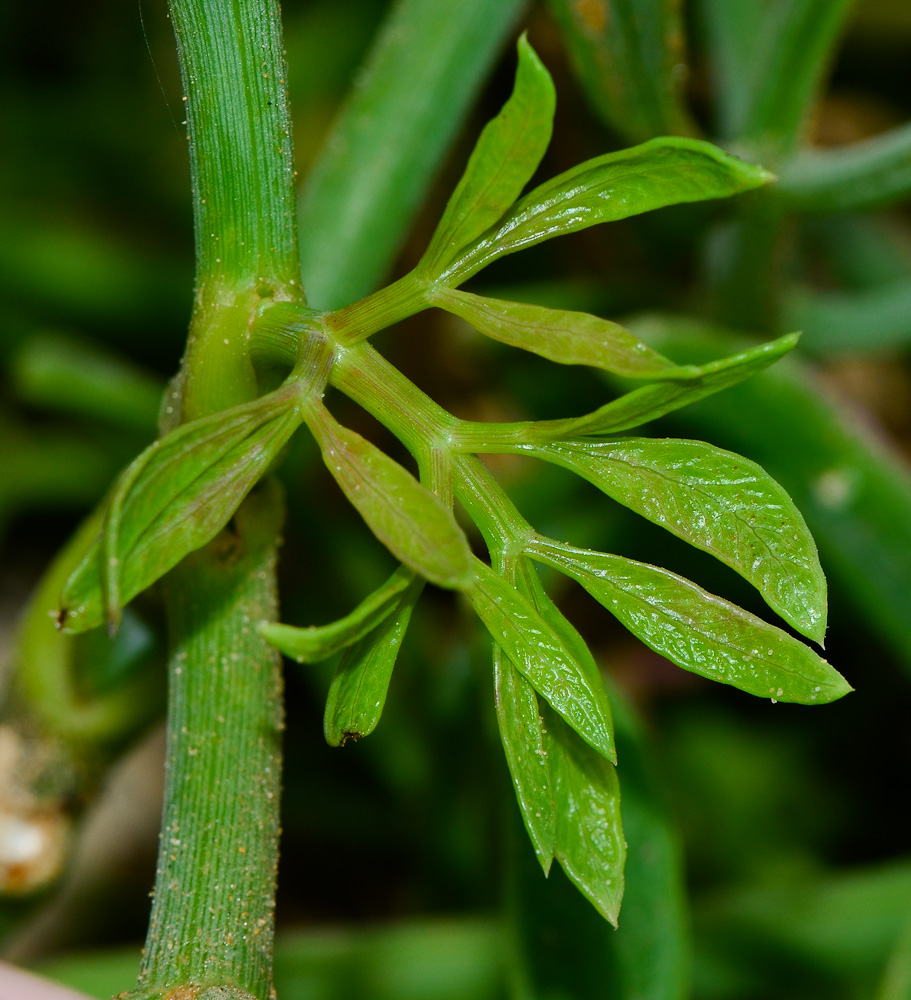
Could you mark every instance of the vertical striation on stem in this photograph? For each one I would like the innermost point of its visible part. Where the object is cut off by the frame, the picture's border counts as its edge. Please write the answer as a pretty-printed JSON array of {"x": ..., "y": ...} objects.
[{"x": 212, "y": 914}]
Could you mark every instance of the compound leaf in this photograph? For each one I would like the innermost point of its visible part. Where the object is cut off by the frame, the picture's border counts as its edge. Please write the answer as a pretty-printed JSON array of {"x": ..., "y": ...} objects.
[
  {"x": 502, "y": 163},
  {"x": 697, "y": 630},
  {"x": 718, "y": 501},
  {"x": 319, "y": 642}
]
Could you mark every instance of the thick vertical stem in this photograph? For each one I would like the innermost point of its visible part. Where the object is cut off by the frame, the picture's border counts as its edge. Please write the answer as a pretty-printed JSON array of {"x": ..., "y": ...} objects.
[
  {"x": 244, "y": 203},
  {"x": 212, "y": 915}
]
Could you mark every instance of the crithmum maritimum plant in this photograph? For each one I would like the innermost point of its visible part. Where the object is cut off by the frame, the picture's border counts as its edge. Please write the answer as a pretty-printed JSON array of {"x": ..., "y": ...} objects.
[{"x": 198, "y": 509}]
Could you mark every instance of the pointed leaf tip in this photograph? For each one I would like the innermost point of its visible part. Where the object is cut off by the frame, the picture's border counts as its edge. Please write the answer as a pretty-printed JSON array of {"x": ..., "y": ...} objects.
[
  {"x": 502, "y": 163},
  {"x": 410, "y": 520},
  {"x": 655, "y": 174},
  {"x": 719, "y": 502},
  {"x": 699, "y": 631}
]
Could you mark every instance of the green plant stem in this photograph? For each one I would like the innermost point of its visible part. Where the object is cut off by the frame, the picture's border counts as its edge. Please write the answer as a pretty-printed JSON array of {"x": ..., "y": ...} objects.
[
  {"x": 212, "y": 916},
  {"x": 242, "y": 171},
  {"x": 212, "y": 920},
  {"x": 431, "y": 435},
  {"x": 370, "y": 380}
]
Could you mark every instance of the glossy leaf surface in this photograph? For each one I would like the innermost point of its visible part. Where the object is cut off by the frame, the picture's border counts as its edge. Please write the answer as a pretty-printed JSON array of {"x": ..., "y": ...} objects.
[
  {"x": 413, "y": 523},
  {"x": 522, "y": 735},
  {"x": 502, "y": 163},
  {"x": 539, "y": 654},
  {"x": 590, "y": 844},
  {"x": 853, "y": 491},
  {"x": 521, "y": 727},
  {"x": 718, "y": 501},
  {"x": 657, "y": 173},
  {"x": 697, "y": 630},
  {"x": 176, "y": 496},
  {"x": 568, "y": 793},
  {"x": 357, "y": 693},
  {"x": 319, "y": 642},
  {"x": 565, "y": 948},
  {"x": 569, "y": 338},
  {"x": 628, "y": 55}
]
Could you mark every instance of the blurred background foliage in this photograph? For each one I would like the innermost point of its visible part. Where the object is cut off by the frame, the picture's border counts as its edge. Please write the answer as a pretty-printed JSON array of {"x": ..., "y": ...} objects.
[{"x": 770, "y": 853}]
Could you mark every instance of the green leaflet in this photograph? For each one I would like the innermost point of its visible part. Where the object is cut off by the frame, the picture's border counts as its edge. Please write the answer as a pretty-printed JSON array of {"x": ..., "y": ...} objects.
[
  {"x": 176, "y": 496},
  {"x": 689, "y": 384},
  {"x": 358, "y": 690},
  {"x": 541, "y": 655},
  {"x": 319, "y": 642},
  {"x": 568, "y": 793},
  {"x": 627, "y": 55},
  {"x": 569, "y": 338},
  {"x": 657, "y": 173},
  {"x": 521, "y": 732},
  {"x": 65, "y": 681},
  {"x": 528, "y": 746},
  {"x": 502, "y": 163},
  {"x": 413, "y": 523},
  {"x": 854, "y": 492},
  {"x": 590, "y": 844},
  {"x": 565, "y": 948},
  {"x": 697, "y": 630},
  {"x": 718, "y": 501}
]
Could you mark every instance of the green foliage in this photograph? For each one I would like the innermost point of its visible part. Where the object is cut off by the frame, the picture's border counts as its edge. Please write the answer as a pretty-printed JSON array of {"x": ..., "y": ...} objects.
[
  {"x": 699, "y": 631},
  {"x": 607, "y": 188},
  {"x": 505, "y": 157},
  {"x": 176, "y": 496},
  {"x": 189, "y": 503},
  {"x": 568, "y": 338},
  {"x": 719, "y": 502}
]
